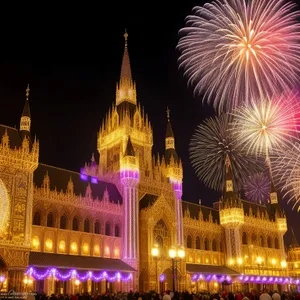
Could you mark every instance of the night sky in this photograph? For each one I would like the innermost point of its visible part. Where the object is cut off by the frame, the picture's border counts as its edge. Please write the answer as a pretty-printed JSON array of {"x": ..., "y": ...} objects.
[{"x": 71, "y": 57}]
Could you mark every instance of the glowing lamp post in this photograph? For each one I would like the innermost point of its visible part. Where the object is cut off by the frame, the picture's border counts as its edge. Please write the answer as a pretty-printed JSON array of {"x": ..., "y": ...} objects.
[
  {"x": 155, "y": 254},
  {"x": 175, "y": 254}
]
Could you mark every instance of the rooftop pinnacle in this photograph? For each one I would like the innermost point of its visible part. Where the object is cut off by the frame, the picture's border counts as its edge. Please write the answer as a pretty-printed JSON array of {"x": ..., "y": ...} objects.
[{"x": 125, "y": 69}]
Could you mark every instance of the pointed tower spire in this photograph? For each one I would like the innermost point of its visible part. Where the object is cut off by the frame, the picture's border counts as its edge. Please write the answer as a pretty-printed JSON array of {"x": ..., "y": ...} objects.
[
  {"x": 129, "y": 148},
  {"x": 228, "y": 190},
  {"x": 170, "y": 141},
  {"x": 25, "y": 122},
  {"x": 126, "y": 91},
  {"x": 125, "y": 69}
]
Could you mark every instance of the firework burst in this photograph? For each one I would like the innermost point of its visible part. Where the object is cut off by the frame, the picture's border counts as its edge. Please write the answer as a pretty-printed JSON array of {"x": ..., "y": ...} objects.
[
  {"x": 257, "y": 188},
  {"x": 209, "y": 146},
  {"x": 236, "y": 50},
  {"x": 270, "y": 124},
  {"x": 286, "y": 174}
]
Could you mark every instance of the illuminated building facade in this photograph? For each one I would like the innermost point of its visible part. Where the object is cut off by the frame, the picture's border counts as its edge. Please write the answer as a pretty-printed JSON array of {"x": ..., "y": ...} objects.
[{"x": 121, "y": 224}]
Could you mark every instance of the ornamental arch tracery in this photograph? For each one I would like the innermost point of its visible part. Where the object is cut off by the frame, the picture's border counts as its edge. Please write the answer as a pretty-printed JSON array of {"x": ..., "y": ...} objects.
[
  {"x": 161, "y": 237},
  {"x": 37, "y": 219}
]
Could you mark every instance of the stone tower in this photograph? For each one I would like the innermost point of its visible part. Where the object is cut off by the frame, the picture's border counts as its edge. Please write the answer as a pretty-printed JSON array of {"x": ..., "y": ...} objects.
[
  {"x": 231, "y": 216},
  {"x": 18, "y": 160}
]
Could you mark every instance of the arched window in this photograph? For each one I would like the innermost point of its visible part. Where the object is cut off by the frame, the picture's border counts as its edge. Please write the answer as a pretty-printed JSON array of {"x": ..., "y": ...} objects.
[
  {"x": 107, "y": 228},
  {"x": 253, "y": 239},
  {"x": 117, "y": 230},
  {"x": 50, "y": 221},
  {"x": 214, "y": 245},
  {"x": 206, "y": 244},
  {"x": 244, "y": 238},
  {"x": 63, "y": 222},
  {"x": 97, "y": 227},
  {"x": 197, "y": 242},
  {"x": 189, "y": 242},
  {"x": 36, "y": 218},
  {"x": 276, "y": 243},
  {"x": 269, "y": 241},
  {"x": 262, "y": 241},
  {"x": 75, "y": 225},
  {"x": 86, "y": 225}
]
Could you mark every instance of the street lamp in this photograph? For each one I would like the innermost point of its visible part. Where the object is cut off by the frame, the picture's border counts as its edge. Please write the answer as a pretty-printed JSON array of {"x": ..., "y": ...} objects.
[
  {"x": 155, "y": 253},
  {"x": 174, "y": 255},
  {"x": 274, "y": 262},
  {"x": 283, "y": 266}
]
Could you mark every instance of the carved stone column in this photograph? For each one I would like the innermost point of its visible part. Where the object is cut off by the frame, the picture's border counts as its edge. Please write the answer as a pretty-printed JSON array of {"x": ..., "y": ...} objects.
[{"x": 15, "y": 280}]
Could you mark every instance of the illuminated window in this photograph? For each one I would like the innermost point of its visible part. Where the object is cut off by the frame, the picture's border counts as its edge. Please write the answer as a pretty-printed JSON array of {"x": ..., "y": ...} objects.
[
  {"x": 106, "y": 251},
  {"x": 117, "y": 253},
  {"x": 85, "y": 248},
  {"x": 96, "y": 250},
  {"x": 35, "y": 243},
  {"x": 62, "y": 246},
  {"x": 49, "y": 245},
  {"x": 74, "y": 247},
  {"x": 36, "y": 218}
]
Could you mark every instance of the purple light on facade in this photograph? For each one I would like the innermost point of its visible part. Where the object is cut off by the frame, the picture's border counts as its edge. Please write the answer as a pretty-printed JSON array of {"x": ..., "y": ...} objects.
[
  {"x": 84, "y": 177},
  {"x": 177, "y": 186},
  {"x": 210, "y": 277},
  {"x": 94, "y": 180},
  {"x": 130, "y": 174},
  {"x": 74, "y": 274},
  {"x": 269, "y": 279},
  {"x": 2, "y": 278},
  {"x": 162, "y": 277}
]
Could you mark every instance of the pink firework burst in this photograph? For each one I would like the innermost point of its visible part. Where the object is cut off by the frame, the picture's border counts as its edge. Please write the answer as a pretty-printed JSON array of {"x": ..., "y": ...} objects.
[{"x": 236, "y": 50}]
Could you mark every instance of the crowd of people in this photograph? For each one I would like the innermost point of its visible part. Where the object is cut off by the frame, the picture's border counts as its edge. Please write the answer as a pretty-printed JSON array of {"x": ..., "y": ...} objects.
[{"x": 168, "y": 295}]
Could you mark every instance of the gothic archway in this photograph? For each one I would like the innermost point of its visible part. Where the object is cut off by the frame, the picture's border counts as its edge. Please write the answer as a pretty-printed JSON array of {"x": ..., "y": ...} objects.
[
  {"x": 4, "y": 208},
  {"x": 162, "y": 238}
]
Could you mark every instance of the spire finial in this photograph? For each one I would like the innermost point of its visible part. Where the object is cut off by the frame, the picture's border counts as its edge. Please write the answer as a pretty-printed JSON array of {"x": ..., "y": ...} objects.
[
  {"x": 168, "y": 113},
  {"x": 125, "y": 36},
  {"x": 27, "y": 91}
]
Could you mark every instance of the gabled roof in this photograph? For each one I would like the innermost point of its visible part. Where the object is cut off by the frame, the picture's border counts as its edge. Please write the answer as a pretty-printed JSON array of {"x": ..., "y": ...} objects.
[{"x": 59, "y": 179}]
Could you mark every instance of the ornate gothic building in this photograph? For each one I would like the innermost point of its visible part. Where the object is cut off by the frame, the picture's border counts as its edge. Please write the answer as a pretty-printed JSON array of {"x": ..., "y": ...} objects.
[{"x": 121, "y": 224}]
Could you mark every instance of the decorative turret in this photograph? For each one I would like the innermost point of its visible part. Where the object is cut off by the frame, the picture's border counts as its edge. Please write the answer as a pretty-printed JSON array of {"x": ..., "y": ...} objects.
[
  {"x": 170, "y": 142},
  {"x": 25, "y": 122},
  {"x": 126, "y": 90},
  {"x": 231, "y": 215},
  {"x": 173, "y": 170}
]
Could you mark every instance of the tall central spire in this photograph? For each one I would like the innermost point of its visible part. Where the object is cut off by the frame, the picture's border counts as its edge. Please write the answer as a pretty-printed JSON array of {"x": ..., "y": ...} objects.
[
  {"x": 126, "y": 91},
  {"x": 125, "y": 69}
]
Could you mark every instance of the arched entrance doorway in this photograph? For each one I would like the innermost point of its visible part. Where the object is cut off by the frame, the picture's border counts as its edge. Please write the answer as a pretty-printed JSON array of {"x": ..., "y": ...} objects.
[{"x": 167, "y": 284}]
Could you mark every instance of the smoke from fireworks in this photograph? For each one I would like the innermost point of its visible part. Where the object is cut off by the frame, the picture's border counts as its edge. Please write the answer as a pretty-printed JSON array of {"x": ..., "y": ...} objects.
[
  {"x": 269, "y": 124},
  {"x": 286, "y": 173},
  {"x": 209, "y": 146},
  {"x": 236, "y": 50},
  {"x": 257, "y": 188}
]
